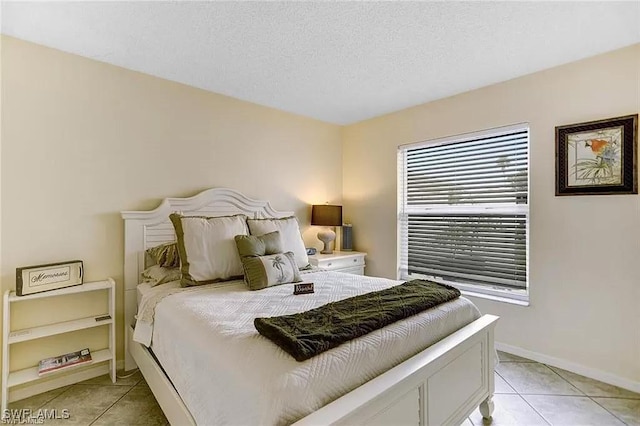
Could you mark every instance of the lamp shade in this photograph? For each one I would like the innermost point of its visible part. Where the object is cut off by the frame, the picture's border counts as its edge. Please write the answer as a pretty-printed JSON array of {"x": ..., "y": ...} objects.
[{"x": 326, "y": 215}]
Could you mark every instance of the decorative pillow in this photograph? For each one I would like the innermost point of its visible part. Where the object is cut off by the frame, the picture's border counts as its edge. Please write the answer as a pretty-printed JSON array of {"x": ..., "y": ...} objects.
[
  {"x": 265, "y": 271},
  {"x": 207, "y": 248},
  {"x": 165, "y": 255},
  {"x": 289, "y": 232},
  {"x": 252, "y": 245},
  {"x": 156, "y": 275}
]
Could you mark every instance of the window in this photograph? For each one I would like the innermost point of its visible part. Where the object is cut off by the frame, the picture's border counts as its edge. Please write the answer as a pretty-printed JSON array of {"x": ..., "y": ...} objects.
[{"x": 463, "y": 211}]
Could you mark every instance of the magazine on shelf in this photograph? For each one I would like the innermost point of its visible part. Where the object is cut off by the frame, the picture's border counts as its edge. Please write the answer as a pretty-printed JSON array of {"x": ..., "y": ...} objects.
[{"x": 57, "y": 363}]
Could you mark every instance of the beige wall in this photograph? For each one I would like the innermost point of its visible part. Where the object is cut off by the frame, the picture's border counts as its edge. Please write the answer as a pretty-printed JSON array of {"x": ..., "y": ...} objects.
[
  {"x": 1, "y": 133},
  {"x": 82, "y": 140},
  {"x": 584, "y": 251}
]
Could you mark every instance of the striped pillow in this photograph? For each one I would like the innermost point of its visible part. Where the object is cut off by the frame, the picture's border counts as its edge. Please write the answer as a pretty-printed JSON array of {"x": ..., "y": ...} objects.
[{"x": 165, "y": 255}]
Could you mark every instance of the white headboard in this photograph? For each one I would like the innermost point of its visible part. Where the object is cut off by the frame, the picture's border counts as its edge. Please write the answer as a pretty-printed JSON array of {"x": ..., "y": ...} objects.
[{"x": 145, "y": 229}]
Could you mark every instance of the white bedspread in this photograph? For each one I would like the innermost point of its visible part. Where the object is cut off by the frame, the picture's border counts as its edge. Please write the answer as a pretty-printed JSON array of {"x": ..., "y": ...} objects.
[{"x": 227, "y": 373}]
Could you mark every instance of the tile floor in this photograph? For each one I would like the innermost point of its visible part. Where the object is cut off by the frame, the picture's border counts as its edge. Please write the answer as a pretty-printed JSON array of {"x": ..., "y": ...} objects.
[
  {"x": 99, "y": 402},
  {"x": 527, "y": 393},
  {"x": 530, "y": 393}
]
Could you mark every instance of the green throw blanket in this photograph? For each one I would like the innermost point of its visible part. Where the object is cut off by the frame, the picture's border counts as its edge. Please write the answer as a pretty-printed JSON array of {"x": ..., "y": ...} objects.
[{"x": 310, "y": 333}]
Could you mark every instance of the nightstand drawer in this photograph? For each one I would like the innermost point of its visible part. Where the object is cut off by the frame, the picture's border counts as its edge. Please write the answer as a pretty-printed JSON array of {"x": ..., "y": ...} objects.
[
  {"x": 351, "y": 262},
  {"x": 342, "y": 262}
]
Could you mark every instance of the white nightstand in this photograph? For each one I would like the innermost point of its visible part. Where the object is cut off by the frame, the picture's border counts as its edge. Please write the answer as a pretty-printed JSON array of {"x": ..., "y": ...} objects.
[
  {"x": 15, "y": 378},
  {"x": 351, "y": 262}
]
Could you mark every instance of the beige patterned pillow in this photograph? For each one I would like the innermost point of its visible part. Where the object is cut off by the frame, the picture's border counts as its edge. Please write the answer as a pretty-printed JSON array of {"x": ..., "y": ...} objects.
[
  {"x": 165, "y": 255},
  {"x": 266, "y": 271}
]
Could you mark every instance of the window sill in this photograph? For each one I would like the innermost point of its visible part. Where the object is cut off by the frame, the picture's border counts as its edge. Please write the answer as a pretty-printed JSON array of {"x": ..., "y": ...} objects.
[
  {"x": 514, "y": 297},
  {"x": 497, "y": 294},
  {"x": 496, "y": 298}
]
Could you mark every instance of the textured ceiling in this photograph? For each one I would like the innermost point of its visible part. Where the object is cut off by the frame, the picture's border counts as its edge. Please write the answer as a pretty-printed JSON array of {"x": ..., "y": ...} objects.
[{"x": 339, "y": 62}]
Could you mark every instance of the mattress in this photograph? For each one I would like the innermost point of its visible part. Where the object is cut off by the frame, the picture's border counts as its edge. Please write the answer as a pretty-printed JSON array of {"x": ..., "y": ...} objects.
[{"x": 227, "y": 373}]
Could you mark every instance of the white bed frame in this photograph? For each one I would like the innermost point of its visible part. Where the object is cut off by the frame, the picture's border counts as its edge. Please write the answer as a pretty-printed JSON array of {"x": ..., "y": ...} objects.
[{"x": 442, "y": 385}]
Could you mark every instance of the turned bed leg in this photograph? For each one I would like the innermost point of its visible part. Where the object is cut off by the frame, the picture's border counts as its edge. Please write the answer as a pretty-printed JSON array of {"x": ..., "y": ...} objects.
[{"x": 486, "y": 408}]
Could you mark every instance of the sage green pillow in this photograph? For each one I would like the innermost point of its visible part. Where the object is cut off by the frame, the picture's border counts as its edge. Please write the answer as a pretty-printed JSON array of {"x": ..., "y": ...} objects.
[
  {"x": 165, "y": 255},
  {"x": 252, "y": 245},
  {"x": 156, "y": 275},
  {"x": 266, "y": 271}
]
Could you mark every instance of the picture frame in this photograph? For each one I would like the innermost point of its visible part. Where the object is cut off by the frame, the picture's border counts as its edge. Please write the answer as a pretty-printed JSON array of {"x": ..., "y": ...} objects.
[
  {"x": 597, "y": 157},
  {"x": 52, "y": 276}
]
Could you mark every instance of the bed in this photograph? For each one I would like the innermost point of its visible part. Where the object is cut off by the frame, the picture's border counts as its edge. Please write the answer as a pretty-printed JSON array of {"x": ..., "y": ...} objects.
[{"x": 438, "y": 378}]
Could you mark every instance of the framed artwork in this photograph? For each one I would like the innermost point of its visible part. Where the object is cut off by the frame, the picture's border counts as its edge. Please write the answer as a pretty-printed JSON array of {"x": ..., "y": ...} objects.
[{"x": 598, "y": 157}]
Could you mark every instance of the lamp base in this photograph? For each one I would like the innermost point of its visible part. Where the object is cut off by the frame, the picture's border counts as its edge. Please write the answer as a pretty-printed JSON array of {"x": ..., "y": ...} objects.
[{"x": 327, "y": 235}]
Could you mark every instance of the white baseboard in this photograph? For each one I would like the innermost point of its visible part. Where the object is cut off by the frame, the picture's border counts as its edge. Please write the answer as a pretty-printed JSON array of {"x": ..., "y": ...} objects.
[
  {"x": 61, "y": 380},
  {"x": 580, "y": 369}
]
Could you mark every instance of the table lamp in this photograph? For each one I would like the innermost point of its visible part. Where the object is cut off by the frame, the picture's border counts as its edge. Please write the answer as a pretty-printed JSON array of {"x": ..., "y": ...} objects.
[{"x": 327, "y": 216}]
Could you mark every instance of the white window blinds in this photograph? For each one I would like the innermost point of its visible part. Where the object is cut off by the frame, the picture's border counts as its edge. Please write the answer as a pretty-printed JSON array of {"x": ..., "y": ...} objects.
[{"x": 463, "y": 205}]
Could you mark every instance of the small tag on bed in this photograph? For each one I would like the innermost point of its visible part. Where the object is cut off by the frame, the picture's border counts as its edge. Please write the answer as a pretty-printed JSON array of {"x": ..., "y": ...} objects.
[{"x": 303, "y": 288}]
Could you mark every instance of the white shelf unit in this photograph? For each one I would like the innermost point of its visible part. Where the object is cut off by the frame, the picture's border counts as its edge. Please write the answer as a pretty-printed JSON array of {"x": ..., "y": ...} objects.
[{"x": 10, "y": 337}]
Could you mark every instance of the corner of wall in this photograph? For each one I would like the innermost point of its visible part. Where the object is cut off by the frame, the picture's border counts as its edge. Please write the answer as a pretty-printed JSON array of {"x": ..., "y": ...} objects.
[{"x": 1, "y": 284}]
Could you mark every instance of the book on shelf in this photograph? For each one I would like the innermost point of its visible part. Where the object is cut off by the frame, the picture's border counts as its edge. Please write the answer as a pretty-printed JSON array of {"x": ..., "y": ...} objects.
[{"x": 62, "y": 362}]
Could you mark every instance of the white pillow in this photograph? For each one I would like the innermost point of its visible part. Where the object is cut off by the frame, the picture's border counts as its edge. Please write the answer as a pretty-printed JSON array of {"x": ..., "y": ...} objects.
[
  {"x": 207, "y": 247},
  {"x": 289, "y": 232}
]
